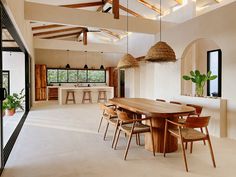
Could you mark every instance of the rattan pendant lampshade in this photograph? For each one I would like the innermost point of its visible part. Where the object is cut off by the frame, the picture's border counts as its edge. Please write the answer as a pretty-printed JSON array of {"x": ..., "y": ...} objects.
[
  {"x": 161, "y": 51},
  {"x": 127, "y": 61}
]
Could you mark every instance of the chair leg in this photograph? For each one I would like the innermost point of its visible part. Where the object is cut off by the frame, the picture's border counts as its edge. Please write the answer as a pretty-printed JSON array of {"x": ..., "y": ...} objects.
[
  {"x": 204, "y": 142},
  {"x": 139, "y": 142},
  {"x": 100, "y": 124},
  {"x": 186, "y": 145},
  {"x": 105, "y": 133},
  {"x": 184, "y": 155},
  {"x": 117, "y": 139},
  {"x": 191, "y": 148},
  {"x": 165, "y": 136},
  {"x": 127, "y": 148},
  {"x": 153, "y": 147},
  {"x": 211, "y": 150},
  {"x": 114, "y": 136}
]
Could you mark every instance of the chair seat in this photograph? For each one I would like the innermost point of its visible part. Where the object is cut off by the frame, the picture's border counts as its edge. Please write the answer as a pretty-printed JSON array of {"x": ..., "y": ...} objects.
[
  {"x": 139, "y": 128},
  {"x": 189, "y": 134},
  {"x": 113, "y": 120},
  {"x": 181, "y": 121}
]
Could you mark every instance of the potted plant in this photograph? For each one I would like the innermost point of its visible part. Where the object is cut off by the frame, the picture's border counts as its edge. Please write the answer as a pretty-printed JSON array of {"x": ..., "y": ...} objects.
[
  {"x": 13, "y": 102},
  {"x": 199, "y": 80}
]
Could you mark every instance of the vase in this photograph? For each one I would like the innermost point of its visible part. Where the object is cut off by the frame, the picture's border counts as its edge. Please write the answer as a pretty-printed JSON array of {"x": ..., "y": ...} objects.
[{"x": 199, "y": 90}]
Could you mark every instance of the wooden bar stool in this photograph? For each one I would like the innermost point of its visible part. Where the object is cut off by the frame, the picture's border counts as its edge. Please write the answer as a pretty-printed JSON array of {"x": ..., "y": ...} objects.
[
  {"x": 102, "y": 95},
  {"x": 68, "y": 93},
  {"x": 87, "y": 96}
]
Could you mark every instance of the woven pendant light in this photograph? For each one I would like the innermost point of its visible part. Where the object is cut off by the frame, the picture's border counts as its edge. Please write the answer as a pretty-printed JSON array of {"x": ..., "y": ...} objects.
[
  {"x": 127, "y": 61},
  {"x": 161, "y": 51}
]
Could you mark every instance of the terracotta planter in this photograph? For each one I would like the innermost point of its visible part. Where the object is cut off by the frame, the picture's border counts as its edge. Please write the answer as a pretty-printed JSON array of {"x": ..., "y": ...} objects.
[{"x": 10, "y": 112}]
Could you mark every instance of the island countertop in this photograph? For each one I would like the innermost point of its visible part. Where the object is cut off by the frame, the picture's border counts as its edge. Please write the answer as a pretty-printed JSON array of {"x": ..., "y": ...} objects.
[{"x": 79, "y": 90}]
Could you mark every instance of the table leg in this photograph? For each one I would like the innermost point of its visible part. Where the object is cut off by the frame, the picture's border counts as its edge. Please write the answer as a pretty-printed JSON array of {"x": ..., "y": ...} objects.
[{"x": 158, "y": 134}]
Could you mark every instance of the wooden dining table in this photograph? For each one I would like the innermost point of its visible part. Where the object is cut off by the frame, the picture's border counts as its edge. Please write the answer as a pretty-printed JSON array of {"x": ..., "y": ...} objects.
[{"x": 158, "y": 111}]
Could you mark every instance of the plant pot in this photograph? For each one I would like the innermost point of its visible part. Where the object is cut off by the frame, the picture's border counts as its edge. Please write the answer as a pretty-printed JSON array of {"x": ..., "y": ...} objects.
[
  {"x": 10, "y": 112},
  {"x": 199, "y": 90}
]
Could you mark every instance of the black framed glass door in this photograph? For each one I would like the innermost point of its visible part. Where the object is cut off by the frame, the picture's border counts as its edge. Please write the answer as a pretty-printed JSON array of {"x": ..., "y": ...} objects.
[{"x": 14, "y": 85}]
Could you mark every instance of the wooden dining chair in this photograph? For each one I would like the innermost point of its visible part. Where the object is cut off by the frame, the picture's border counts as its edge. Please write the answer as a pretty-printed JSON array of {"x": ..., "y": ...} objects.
[
  {"x": 132, "y": 126},
  {"x": 187, "y": 133},
  {"x": 161, "y": 100},
  {"x": 109, "y": 114},
  {"x": 103, "y": 107},
  {"x": 198, "y": 111},
  {"x": 175, "y": 102}
]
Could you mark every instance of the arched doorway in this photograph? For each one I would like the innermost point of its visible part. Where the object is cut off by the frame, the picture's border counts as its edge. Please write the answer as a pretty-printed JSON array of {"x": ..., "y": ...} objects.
[{"x": 197, "y": 56}]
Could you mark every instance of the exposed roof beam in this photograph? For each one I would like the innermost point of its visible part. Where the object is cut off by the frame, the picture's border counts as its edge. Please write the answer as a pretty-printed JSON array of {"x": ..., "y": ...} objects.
[
  {"x": 116, "y": 8},
  {"x": 58, "y": 31},
  {"x": 8, "y": 40},
  {"x": 81, "y": 5},
  {"x": 55, "y": 44},
  {"x": 127, "y": 10},
  {"x": 111, "y": 33},
  {"x": 78, "y": 17},
  {"x": 46, "y": 27},
  {"x": 150, "y": 6},
  {"x": 63, "y": 35},
  {"x": 85, "y": 37}
]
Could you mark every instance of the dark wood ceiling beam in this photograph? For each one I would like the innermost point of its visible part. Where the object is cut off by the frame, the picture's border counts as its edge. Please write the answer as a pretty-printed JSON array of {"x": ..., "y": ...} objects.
[
  {"x": 85, "y": 37},
  {"x": 46, "y": 27},
  {"x": 81, "y": 5},
  {"x": 62, "y": 35},
  {"x": 116, "y": 8},
  {"x": 58, "y": 31},
  {"x": 150, "y": 6},
  {"x": 127, "y": 10}
]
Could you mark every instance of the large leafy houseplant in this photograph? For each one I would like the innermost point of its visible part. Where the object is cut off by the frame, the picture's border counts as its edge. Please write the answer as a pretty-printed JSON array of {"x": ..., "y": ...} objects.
[
  {"x": 13, "y": 102},
  {"x": 199, "y": 80}
]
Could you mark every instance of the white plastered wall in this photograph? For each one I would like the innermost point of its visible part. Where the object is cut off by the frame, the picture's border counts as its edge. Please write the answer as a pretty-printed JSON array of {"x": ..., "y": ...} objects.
[{"x": 218, "y": 26}]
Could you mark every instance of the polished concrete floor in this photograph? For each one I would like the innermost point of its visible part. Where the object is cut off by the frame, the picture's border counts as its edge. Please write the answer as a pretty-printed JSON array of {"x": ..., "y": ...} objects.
[{"x": 62, "y": 141}]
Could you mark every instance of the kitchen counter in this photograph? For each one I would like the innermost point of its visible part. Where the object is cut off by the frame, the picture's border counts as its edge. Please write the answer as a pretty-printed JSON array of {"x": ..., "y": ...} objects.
[{"x": 79, "y": 92}]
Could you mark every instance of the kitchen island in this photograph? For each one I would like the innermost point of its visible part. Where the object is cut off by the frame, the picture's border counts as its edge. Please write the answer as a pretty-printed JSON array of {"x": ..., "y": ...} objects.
[{"x": 62, "y": 90}]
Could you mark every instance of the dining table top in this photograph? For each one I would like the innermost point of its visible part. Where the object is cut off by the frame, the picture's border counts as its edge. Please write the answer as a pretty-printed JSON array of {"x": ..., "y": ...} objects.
[{"x": 151, "y": 107}]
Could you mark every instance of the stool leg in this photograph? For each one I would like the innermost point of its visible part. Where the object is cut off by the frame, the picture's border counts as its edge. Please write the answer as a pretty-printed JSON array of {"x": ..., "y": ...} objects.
[
  {"x": 67, "y": 96},
  {"x": 90, "y": 97},
  {"x": 83, "y": 97},
  {"x": 73, "y": 94}
]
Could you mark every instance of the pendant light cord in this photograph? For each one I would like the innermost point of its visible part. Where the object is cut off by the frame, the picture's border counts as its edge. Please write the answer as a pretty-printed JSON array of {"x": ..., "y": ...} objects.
[
  {"x": 160, "y": 19},
  {"x": 127, "y": 6}
]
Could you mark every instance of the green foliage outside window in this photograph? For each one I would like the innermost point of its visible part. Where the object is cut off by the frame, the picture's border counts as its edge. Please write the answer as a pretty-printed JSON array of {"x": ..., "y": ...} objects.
[
  {"x": 72, "y": 76},
  {"x": 62, "y": 75},
  {"x": 75, "y": 75},
  {"x": 96, "y": 76}
]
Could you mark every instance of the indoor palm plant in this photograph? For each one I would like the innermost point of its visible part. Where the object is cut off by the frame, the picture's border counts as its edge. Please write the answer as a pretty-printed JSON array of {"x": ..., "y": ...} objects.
[
  {"x": 13, "y": 102},
  {"x": 199, "y": 80}
]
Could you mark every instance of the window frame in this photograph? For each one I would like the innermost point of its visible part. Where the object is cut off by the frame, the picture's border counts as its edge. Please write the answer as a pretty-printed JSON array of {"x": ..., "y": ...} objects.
[
  {"x": 78, "y": 69},
  {"x": 219, "y": 77},
  {"x": 8, "y": 73}
]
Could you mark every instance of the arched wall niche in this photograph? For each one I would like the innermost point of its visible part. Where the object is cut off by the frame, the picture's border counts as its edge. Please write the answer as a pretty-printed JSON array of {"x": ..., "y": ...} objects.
[{"x": 193, "y": 58}]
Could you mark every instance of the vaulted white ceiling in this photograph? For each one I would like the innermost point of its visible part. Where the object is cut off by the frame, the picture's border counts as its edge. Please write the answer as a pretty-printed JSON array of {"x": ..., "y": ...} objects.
[{"x": 173, "y": 10}]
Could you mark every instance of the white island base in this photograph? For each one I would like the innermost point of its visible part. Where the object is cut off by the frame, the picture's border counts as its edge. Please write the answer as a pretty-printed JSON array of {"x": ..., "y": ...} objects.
[{"x": 62, "y": 92}]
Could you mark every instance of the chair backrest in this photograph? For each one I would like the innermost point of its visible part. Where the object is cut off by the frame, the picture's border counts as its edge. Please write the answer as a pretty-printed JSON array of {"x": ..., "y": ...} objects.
[
  {"x": 197, "y": 122},
  {"x": 110, "y": 111},
  {"x": 161, "y": 100},
  {"x": 198, "y": 109},
  {"x": 102, "y": 106},
  {"x": 175, "y": 102},
  {"x": 122, "y": 116}
]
